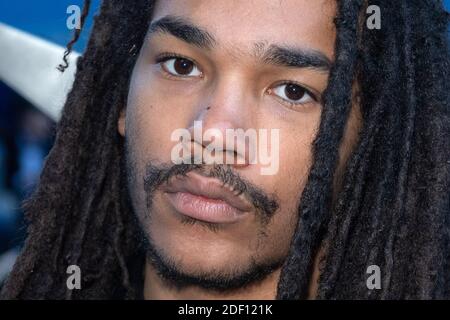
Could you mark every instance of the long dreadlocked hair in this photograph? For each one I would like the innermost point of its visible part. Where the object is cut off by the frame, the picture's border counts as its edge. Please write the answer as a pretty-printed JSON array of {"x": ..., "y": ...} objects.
[{"x": 393, "y": 208}]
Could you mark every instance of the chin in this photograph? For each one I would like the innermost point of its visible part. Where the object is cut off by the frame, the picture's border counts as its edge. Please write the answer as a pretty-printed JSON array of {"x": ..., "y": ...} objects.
[{"x": 202, "y": 256}]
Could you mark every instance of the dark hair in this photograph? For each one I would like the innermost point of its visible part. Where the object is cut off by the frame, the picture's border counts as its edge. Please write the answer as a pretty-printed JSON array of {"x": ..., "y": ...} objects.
[{"x": 393, "y": 206}]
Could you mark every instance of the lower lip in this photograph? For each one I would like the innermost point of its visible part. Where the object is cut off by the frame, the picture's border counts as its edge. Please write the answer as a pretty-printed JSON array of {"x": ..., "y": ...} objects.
[{"x": 204, "y": 209}]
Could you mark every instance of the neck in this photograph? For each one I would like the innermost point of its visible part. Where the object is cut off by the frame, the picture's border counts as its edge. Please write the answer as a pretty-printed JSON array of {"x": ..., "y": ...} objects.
[{"x": 156, "y": 288}]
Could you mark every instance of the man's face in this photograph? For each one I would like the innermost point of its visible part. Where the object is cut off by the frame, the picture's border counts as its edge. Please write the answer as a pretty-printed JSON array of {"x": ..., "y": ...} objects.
[{"x": 252, "y": 65}]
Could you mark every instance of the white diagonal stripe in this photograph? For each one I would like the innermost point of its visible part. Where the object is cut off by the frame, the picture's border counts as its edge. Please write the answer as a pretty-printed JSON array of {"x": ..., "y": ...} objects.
[{"x": 28, "y": 65}]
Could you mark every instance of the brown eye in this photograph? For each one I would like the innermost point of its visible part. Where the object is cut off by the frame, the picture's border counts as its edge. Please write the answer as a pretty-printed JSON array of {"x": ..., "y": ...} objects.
[
  {"x": 293, "y": 93},
  {"x": 181, "y": 67}
]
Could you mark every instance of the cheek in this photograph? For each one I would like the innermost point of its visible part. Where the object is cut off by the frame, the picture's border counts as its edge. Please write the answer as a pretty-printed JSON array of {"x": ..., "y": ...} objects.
[
  {"x": 296, "y": 141},
  {"x": 295, "y": 164},
  {"x": 151, "y": 117},
  {"x": 291, "y": 181},
  {"x": 296, "y": 160},
  {"x": 287, "y": 184}
]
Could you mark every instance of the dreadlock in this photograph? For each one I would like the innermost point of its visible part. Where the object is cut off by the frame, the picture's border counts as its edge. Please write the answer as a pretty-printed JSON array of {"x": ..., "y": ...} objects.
[
  {"x": 79, "y": 213},
  {"x": 393, "y": 208},
  {"x": 76, "y": 36}
]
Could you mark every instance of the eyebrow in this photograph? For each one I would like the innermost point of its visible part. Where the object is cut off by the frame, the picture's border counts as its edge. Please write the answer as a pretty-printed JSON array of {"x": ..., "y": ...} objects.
[
  {"x": 296, "y": 57},
  {"x": 183, "y": 30},
  {"x": 285, "y": 56}
]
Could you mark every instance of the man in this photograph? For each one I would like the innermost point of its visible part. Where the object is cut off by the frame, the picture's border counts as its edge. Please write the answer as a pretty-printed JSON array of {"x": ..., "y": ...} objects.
[{"x": 362, "y": 184}]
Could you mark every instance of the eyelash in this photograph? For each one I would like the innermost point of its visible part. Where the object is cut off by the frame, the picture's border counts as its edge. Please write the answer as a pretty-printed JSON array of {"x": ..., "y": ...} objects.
[
  {"x": 289, "y": 103},
  {"x": 164, "y": 57}
]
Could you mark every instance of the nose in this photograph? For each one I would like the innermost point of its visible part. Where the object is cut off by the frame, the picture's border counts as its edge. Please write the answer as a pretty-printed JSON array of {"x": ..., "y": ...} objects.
[{"x": 224, "y": 127}]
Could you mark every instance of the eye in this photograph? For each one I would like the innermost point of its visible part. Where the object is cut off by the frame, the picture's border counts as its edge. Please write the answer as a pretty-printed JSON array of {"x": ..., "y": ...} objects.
[
  {"x": 293, "y": 93},
  {"x": 180, "y": 67}
]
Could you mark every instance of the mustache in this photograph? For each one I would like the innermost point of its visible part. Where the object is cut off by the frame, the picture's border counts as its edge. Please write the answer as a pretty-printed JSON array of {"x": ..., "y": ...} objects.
[{"x": 155, "y": 176}]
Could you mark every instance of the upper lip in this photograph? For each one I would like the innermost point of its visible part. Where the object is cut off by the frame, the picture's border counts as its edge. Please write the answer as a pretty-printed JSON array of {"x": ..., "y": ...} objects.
[{"x": 206, "y": 187}]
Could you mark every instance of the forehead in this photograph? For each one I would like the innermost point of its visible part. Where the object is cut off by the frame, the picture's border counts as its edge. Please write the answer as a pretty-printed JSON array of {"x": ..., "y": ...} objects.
[{"x": 240, "y": 25}]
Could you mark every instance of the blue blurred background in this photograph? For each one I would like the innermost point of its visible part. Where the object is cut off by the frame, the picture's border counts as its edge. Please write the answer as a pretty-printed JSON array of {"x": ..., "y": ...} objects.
[
  {"x": 26, "y": 134},
  {"x": 45, "y": 18}
]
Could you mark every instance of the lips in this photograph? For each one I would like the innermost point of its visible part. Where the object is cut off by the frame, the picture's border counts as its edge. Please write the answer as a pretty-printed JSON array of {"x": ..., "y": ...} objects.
[{"x": 205, "y": 199}]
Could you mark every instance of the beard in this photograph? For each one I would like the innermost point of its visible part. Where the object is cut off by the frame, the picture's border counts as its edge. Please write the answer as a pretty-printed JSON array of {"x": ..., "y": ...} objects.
[
  {"x": 174, "y": 275},
  {"x": 172, "y": 271}
]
